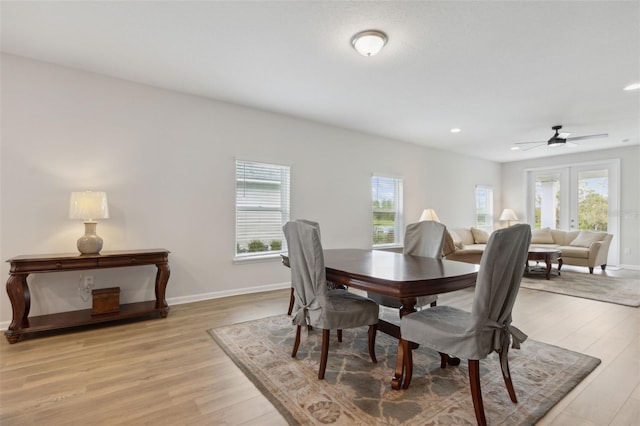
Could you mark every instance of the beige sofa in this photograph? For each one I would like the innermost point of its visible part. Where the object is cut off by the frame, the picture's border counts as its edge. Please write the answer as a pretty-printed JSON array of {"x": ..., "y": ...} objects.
[{"x": 579, "y": 248}]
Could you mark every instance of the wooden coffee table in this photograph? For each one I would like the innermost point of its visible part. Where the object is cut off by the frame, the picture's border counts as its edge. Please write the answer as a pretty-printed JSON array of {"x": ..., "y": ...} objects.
[{"x": 547, "y": 256}]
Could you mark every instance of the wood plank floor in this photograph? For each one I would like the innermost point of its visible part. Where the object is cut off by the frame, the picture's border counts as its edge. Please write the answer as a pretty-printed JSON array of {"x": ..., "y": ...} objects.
[{"x": 170, "y": 372}]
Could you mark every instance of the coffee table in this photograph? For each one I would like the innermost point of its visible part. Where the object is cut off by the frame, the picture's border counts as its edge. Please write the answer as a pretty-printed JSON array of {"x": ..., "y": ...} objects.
[{"x": 547, "y": 256}]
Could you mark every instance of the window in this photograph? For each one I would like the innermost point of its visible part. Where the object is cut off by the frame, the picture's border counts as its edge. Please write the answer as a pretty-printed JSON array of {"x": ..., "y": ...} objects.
[
  {"x": 262, "y": 208},
  {"x": 484, "y": 208},
  {"x": 386, "y": 195}
]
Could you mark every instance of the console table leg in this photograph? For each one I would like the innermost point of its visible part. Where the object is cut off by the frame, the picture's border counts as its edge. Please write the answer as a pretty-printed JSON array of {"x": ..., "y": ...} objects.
[
  {"x": 20, "y": 298},
  {"x": 162, "y": 277}
]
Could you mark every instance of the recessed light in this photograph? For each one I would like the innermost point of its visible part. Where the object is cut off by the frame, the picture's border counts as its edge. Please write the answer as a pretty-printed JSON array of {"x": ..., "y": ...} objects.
[
  {"x": 369, "y": 43},
  {"x": 515, "y": 148},
  {"x": 456, "y": 130},
  {"x": 634, "y": 86}
]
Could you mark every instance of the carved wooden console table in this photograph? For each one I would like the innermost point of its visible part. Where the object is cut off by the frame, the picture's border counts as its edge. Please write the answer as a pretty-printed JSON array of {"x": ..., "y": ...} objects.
[{"x": 18, "y": 289}]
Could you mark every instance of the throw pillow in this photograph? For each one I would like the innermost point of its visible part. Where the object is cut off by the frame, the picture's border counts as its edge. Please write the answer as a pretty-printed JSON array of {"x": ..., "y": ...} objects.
[
  {"x": 449, "y": 246},
  {"x": 541, "y": 236},
  {"x": 480, "y": 236},
  {"x": 586, "y": 238}
]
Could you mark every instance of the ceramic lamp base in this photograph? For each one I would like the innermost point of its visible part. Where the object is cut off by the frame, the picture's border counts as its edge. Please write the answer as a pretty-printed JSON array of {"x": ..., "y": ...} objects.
[{"x": 90, "y": 242}]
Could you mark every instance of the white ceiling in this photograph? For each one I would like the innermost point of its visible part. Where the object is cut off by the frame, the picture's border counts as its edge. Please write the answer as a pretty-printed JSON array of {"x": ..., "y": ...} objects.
[{"x": 504, "y": 72}]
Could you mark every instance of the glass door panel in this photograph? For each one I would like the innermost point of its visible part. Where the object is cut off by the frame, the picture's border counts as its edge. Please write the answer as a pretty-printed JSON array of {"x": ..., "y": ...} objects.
[
  {"x": 547, "y": 200},
  {"x": 593, "y": 199}
]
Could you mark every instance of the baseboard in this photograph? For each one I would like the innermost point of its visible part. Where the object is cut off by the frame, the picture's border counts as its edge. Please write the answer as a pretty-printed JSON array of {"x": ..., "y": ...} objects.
[
  {"x": 226, "y": 293},
  {"x": 4, "y": 325},
  {"x": 632, "y": 267}
]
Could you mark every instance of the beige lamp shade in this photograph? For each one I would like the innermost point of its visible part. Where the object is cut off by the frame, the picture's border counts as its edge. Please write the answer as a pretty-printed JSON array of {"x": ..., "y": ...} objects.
[
  {"x": 89, "y": 206},
  {"x": 429, "y": 214},
  {"x": 508, "y": 215}
]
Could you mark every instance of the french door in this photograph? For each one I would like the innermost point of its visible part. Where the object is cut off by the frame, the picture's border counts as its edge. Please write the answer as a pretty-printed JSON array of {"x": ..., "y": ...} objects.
[{"x": 582, "y": 196}]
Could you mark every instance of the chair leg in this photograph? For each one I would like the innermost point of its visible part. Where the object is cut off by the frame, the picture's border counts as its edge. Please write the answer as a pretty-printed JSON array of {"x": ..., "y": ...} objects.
[
  {"x": 603, "y": 267},
  {"x": 507, "y": 377},
  {"x": 291, "y": 300},
  {"x": 476, "y": 392},
  {"x": 590, "y": 269},
  {"x": 444, "y": 360},
  {"x": 372, "y": 342},
  {"x": 324, "y": 354},
  {"x": 339, "y": 335},
  {"x": 296, "y": 343}
]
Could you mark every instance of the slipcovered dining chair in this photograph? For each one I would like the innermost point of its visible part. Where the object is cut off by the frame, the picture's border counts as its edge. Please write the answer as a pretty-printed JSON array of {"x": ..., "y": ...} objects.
[
  {"x": 426, "y": 239},
  {"x": 487, "y": 328},
  {"x": 292, "y": 297},
  {"x": 315, "y": 304}
]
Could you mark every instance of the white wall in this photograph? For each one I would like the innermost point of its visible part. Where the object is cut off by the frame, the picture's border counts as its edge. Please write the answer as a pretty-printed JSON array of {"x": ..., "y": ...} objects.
[
  {"x": 166, "y": 161},
  {"x": 514, "y": 195}
]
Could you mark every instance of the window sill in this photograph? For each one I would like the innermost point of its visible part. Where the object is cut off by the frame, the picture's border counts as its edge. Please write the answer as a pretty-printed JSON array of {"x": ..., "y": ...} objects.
[{"x": 258, "y": 259}]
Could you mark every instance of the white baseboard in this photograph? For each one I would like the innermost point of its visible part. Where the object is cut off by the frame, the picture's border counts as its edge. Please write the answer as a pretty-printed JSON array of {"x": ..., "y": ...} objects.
[
  {"x": 207, "y": 296},
  {"x": 226, "y": 293},
  {"x": 632, "y": 267}
]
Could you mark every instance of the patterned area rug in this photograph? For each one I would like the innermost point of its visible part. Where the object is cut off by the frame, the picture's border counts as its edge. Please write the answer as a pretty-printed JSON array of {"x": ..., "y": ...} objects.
[
  {"x": 622, "y": 291},
  {"x": 357, "y": 392}
]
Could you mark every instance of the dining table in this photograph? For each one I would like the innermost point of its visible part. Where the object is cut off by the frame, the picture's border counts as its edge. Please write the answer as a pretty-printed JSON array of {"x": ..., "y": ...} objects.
[{"x": 399, "y": 275}]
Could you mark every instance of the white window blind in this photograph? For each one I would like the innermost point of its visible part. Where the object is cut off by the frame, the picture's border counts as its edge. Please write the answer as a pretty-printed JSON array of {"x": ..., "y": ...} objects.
[
  {"x": 386, "y": 195},
  {"x": 262, "y": 208},
  {"x": 484, "y": 208}
]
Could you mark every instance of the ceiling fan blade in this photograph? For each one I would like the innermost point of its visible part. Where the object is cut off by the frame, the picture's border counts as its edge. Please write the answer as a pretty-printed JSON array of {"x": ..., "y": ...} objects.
[
  {"x": 533, "y": 147},
  {"x": 581, "y": 138},
  {"x": 523, "y": 143}
]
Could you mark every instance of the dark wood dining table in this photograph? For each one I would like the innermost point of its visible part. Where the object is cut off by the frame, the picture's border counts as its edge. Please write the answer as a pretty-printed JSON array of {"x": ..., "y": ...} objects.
[{"x": 395, "y": 274}]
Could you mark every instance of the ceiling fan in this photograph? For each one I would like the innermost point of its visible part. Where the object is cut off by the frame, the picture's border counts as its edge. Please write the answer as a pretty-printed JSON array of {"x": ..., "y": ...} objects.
[{"x": 561, "y": 139}]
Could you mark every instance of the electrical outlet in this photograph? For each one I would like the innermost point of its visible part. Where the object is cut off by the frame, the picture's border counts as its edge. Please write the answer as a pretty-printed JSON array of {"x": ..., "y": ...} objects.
[
  {"x": 87, "y": 282},
  {"x": 627, "y": 250}
]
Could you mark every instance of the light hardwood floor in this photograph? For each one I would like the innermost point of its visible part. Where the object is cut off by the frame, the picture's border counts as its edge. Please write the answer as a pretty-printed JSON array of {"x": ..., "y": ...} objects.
[{"x": 170, "y": 372}]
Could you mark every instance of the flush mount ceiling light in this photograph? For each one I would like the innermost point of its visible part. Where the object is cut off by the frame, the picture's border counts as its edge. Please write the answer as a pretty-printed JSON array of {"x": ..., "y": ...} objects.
[
  {"x": 369, "y": 43},
  {"x": 634, "y": 86},
  {"x": 455, "y": 130}
]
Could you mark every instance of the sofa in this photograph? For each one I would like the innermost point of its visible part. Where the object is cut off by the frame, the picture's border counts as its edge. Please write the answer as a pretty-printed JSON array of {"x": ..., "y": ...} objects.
[{"x": 579, "y": 248}]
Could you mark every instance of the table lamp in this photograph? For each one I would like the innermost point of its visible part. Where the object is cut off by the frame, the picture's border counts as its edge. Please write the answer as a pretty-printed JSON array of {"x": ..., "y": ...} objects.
[
  {"x": 89, "y": 206},
  {"x": 429, "y": 214},
  {"x": 508, "y": 215}
]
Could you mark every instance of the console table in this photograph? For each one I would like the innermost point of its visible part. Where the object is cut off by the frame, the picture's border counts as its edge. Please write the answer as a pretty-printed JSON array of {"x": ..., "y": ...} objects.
[{"x": 20, "y": 297}]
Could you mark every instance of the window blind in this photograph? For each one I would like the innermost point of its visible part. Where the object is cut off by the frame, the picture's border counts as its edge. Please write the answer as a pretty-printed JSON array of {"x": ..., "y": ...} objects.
[
  {"x": 484, "y": 208},
  {"x": 386, "y": 196},
  {"x": 262, "y": 207}
]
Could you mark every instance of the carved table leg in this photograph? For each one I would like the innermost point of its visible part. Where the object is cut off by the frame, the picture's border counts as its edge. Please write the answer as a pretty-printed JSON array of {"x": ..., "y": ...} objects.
[
  {"x": 20, "y": 298},
  {"x": 396, "y": 381},
  {"x": 162, "y": 277}
]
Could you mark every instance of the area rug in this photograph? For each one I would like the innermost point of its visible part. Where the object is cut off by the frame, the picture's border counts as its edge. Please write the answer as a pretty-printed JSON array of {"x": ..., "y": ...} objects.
[
  {"x": 622, "y": 291},
  {"x": 357, "y": 392}
]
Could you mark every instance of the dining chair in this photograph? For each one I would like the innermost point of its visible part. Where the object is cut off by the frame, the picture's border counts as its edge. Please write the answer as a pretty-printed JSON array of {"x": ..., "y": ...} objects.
[
  {"x": 317, "y": 305},
  {"x": 487, "y": 328},
  {"x": 426, "y": 239},
  {"x": 330, "y": 285}
]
